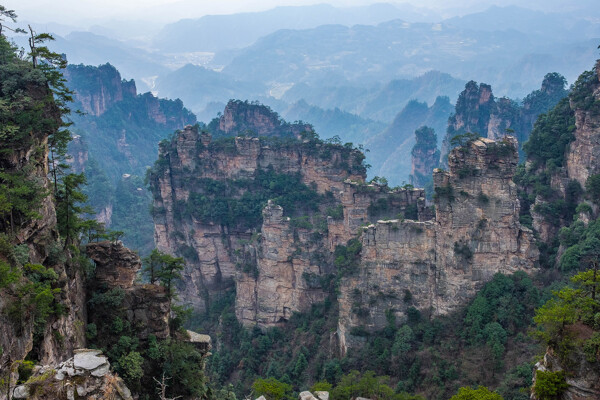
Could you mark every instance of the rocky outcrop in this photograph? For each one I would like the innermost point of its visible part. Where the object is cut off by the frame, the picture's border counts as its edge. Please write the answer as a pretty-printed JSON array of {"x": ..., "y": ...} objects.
[
  {"x": 116, "y": 265},
  {"x": 583, "y": 156},
  {"x": 407, "y": 256},
  {"x": 257, "y": 119},
  {"x": 581, "y": 376},
  {"x": 365, "y": 203},
  {"x": 425, "y": 157},
  {"x": 477, "y": 212},
  {"x": 147, "y": 307},
  {"x": 216, "y": 252},
  {"x": 318, "y": 395},
  {"x": 435, "y": 266},
  {"x": 86, "y": 375},
  {"x": 478, "y": 111},
  {"x": 98, "y": 88},
  {"x": 286, "y": 278}
]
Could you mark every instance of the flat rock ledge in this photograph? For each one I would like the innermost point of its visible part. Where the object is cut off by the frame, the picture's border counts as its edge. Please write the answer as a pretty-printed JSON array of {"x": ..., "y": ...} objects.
[{"x": 85, "y": 375}]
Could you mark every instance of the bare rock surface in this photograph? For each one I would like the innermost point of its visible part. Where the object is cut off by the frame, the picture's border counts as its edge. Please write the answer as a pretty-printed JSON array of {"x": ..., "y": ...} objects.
[
  {"x": 86, "y": 375},
  {"x": 116, "y": 265},
  {"x": 409, "y": 256}
]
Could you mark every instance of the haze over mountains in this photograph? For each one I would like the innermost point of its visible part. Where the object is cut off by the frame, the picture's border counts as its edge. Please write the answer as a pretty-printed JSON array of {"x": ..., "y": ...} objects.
[{"x": 348, "y": 70}]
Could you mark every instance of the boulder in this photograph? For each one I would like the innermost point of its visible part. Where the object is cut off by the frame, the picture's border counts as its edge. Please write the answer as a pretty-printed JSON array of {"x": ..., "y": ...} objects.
[
  {"x": 322, "y": 395},
  {"x": 89, "y": 359},
  {"x": 307, "y": 396}
]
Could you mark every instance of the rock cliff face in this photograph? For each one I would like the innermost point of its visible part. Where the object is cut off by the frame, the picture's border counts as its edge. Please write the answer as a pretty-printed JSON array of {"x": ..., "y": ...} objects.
[
  {"x": 405, "y": 255},
  {"x": 279, "y": 285},
  {"x": 215, "y": 251},
  {"x": 97, "y": 89},
  {"x": 583, "y": 157},
  {"x": 576, "y": 140},
  {"x": 39, "y": 238},
  {"x": 437, "y": 265}
]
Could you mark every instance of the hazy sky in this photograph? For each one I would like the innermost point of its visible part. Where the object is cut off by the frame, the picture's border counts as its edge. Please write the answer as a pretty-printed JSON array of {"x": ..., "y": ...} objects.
[
  {"x": 84, "y": 13},
  {"x": 69, "y": 11}
]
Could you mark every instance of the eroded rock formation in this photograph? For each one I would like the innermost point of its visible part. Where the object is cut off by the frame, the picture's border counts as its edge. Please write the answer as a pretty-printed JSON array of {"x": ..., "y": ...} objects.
[
  {"x": 437, "y": 265},
  {"x": 478, "y": 111},
  {"x": 147, "y": 306},
  {"x": 425, "y": 157},
  {"x": 406, "y": 256},
  {"x": 214, "y": 252}
]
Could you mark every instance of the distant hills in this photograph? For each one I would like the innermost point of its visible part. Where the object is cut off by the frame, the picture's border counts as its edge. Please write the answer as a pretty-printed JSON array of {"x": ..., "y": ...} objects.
[
  {"x": 350, "y": 71},
  {"x": 215, "y": 33}
]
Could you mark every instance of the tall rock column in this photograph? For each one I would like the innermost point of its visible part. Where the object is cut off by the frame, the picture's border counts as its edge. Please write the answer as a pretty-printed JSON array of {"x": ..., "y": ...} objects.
[
  {"x": 425, "y": 157},
  {"x": 477, "y": 215}
]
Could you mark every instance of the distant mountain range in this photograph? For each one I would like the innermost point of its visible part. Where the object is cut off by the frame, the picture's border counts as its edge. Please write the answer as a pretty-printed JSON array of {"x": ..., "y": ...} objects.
[
  {"x": 353, "y": 72},
  {"x": 221, "y": 32}
]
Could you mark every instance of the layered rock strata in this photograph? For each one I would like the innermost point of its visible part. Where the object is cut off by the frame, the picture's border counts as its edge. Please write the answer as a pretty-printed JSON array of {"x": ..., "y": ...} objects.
[
  {"x": 410, "y": 256},
  {"x": 218, "y": 250},
  {"x": 435, "y": 266}
]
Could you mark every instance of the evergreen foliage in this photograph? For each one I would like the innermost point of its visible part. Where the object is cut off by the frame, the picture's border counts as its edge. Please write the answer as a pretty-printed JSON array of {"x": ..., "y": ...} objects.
[
  {"x": 240, "y": 202},
  {"x": 481, "y": 393},
  {"x": 549, "y": 385}
]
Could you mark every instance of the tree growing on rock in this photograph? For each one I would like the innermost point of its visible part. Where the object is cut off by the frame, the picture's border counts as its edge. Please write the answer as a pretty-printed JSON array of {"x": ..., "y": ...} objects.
[{"x": 162, "y": 268}]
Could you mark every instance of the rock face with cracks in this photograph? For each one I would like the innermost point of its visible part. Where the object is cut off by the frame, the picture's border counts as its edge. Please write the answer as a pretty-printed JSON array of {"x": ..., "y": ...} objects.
[{"x": 408, "y": 255}]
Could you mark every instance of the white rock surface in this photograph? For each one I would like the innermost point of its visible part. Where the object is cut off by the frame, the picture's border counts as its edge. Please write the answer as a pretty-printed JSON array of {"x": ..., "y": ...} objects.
[
  {"x": 322, "y": 395},
  {"x": 307, "y": 396},
  {"x": 21, "y": 392},
  {"x": 88, "y": 360}
]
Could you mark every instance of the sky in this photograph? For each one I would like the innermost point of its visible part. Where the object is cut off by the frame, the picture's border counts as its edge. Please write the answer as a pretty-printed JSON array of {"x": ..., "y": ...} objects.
[{"x": 82, "y": 14}]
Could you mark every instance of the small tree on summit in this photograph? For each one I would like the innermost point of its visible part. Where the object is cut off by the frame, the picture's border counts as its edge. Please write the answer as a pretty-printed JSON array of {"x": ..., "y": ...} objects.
[
  {"x": 170, "y": 271},
  {"x": 164, "y": 269},
  {"x": 463, "y": 139},
  {"x": 151, "y": 266}
]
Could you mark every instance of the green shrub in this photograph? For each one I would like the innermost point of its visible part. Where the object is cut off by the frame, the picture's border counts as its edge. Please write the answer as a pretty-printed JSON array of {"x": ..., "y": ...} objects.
[
  {"x": 91, "y": 331},
  {"x": 463, "y": 250},
  {"x": 592, "y": 186},
  {"x": 549, "y": 385},
  {"x": 130, "y": 365},
  {"x": 481, "y": 393},
  {"x": 272, "y": 389},
  {"x": 8, "y": 274}
]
